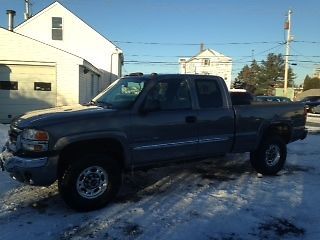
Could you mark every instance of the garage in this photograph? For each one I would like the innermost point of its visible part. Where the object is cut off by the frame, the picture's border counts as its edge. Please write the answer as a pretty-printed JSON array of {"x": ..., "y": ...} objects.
[{"x": 26, "y": 86}]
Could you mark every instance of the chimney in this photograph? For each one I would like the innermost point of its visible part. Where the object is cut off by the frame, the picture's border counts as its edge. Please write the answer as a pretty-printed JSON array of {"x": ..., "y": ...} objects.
[
  {"x": 201, "y": 47},
  {"x": 27, "y": 13},
  {"x": 11, "y": 15}
]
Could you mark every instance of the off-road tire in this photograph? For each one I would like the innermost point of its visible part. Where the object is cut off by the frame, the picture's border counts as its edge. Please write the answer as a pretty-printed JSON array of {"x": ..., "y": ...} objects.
[
  {"x": 270, "y": 156},
  {"x": 102, "y": 167}
]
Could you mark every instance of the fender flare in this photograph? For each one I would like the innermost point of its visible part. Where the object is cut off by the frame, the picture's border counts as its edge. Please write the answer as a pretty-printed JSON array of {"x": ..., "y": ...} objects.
[
  {"x": 263, "y": 129},
  {"x": 120, "y": 137}
]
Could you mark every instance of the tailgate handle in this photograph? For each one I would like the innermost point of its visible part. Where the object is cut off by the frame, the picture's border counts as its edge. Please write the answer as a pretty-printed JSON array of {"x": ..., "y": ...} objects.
[{"x": 191, "y": 119}]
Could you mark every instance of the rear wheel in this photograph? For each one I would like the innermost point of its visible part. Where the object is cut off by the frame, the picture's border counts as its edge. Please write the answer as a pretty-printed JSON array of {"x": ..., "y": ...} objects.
[
  {"x": 270, "y": 156},
  {"x": 90, "y": 182}
]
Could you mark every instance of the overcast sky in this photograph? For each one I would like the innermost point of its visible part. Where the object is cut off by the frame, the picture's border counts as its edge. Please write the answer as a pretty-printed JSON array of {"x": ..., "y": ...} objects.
[{"x": 234, "y": 28}]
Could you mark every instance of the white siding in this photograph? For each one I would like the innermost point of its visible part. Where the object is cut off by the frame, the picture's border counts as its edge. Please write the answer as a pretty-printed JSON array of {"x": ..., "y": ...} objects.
[
  {"x": 17, "y": 48},
  {"x": 78, "y": 37},
  {"x": 218, "y": 64}
]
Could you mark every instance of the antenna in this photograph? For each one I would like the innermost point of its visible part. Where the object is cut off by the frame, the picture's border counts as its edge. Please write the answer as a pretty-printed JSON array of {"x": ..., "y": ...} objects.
[{"x": 27, "y": 13}]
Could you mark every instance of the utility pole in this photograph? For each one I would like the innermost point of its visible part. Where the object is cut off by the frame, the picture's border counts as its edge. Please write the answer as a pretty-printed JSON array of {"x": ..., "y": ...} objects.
[{"x": 286, "y": 67}]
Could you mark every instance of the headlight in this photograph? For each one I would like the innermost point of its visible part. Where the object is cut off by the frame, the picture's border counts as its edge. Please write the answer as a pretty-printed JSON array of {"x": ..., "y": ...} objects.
[
  {"x": 34, "y": 140},
  {"x": 35, "y": 135}
]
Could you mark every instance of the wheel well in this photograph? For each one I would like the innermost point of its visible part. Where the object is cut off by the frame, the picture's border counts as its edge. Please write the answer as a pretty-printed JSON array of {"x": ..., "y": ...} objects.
[
  {"x": 282, "y": 130},
  {"x": 73, "y": 150}
]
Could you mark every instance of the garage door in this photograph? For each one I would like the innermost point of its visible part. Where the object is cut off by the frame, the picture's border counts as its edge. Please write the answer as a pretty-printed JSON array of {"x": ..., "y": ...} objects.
[{"x": 24, "y": 88}]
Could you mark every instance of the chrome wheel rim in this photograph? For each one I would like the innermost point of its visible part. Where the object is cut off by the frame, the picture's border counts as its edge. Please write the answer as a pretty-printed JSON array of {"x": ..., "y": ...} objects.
[
  {"x": 92, "y": 182},
  {"x": 273, "y": 155}
]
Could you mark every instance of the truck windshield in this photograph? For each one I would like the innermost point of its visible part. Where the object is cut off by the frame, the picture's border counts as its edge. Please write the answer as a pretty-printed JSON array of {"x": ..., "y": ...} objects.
[{"x": 121, "y": 94}]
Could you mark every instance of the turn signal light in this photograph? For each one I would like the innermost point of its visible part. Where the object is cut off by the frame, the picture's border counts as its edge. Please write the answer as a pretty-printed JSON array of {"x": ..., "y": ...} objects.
[{"x": 41, "y": 136}]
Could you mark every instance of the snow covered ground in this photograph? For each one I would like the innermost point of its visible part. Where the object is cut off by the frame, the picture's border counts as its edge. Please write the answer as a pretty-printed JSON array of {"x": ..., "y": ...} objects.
[{"x": 216, "y": 199}]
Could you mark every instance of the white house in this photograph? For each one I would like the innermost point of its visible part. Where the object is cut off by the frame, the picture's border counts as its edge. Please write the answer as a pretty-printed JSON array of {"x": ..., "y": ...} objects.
[
  {"x": 59, "y": 27},
  {"x": 35, "y": 75},
  {"x": 208, "y": 62},
  {"x": 53, "y": 59}
]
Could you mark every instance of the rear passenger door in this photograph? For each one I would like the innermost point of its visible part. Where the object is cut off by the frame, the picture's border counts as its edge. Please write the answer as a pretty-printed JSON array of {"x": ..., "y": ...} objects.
[{"x": 215, "y": 119}]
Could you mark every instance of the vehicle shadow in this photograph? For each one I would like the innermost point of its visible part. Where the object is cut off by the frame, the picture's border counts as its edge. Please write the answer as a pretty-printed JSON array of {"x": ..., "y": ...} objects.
[{"x": 158, "y": 181}]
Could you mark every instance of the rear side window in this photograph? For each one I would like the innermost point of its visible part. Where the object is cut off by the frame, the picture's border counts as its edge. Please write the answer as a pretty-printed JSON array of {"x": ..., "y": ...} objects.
[{"x": 209, "y": 95}]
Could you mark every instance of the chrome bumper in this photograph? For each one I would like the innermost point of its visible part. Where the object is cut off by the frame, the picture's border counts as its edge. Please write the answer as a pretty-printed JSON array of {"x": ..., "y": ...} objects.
[
  {"x": 40, "y": 171},
  {"x": 11, "y": 162}
]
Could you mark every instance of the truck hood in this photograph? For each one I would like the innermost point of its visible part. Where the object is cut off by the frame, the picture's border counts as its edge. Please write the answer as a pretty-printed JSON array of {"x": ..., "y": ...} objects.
[{"x": 56, "y": 115}]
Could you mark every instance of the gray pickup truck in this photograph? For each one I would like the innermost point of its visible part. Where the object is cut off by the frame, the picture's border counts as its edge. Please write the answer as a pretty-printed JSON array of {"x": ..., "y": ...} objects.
[{"x": 143, "y": 121}]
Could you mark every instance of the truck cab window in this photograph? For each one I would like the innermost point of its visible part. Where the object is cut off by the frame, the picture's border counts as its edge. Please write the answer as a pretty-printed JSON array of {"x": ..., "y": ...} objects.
[
  {"x": 170, "y": 94},
  {"x": 209, "y": 95}
]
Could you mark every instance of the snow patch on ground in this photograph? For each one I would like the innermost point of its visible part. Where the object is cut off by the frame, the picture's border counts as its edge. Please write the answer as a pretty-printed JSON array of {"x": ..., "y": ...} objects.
[
  {"x": 3, "y": 134},
  {"x": 216, "y": 199}
]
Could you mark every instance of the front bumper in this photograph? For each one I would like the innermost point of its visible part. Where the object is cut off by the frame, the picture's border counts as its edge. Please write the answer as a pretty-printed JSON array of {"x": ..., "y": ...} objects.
[{"x": 41, "y": 171}]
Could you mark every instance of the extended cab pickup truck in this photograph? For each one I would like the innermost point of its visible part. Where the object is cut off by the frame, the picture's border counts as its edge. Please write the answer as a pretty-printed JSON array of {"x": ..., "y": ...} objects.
[{"x": 143, "y": 121}]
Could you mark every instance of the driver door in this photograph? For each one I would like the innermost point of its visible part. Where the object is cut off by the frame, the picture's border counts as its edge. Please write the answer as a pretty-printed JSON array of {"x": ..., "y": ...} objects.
[{"x": 166, "y": 130}]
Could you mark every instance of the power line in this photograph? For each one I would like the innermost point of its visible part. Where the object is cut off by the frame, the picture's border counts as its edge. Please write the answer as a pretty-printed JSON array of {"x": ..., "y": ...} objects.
[
  {"x": 267, "y": 50},
  {"x": 308, "y": 59},
  {"x": 305, "y": 61},
  {"x": 196, "y": 44},
  {"x": 170, "y": 56},
  {"x": 177, "y": 63},
  {"x": 183, "y": 56},
  {"x": 213, "y": 43},
  {"x": 311, "y": 42}
]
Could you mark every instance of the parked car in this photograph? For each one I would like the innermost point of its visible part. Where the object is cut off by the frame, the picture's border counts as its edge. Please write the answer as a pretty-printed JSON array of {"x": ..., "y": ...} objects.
[
  {"x": 311, "y": 102},
  {"x": 145, "y": 121},
  {"x": 272, "y": 99},
  {"x": 315, "y": 109}
]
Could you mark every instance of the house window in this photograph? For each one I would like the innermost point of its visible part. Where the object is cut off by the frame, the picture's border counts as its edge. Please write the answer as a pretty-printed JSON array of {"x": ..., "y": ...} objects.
[
  {"x": 8, "y": 85},
  {"x": 56, "y": 28},
  {"x": 42, "y": 86},
  {"x": 206, "y": 62}
]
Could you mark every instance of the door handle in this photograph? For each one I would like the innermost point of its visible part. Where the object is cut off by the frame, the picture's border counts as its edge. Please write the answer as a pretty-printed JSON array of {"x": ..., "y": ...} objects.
[{"x": 191, "y": 119}]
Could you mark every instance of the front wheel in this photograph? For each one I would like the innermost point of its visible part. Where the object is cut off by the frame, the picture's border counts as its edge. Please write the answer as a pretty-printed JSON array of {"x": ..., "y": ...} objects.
[
  {"x": 270, "y": 156},
  {"x": 90, "y": 182}
]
